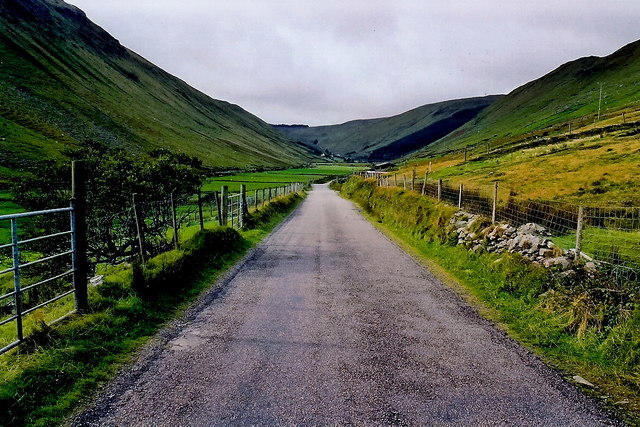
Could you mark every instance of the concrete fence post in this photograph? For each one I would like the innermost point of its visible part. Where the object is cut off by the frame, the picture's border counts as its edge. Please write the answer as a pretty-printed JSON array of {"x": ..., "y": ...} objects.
[
  {"x": 495, "y": 202},
  {"x": 460, "y": 197},
  {"x": 439, "y": 189},
  {"x": 579, "y": 226}
]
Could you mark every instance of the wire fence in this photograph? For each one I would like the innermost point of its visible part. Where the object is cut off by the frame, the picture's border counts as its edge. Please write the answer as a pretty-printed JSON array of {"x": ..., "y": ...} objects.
[
  {"x": 39, "y": 262},
  {"x": 609, "y": 236}
]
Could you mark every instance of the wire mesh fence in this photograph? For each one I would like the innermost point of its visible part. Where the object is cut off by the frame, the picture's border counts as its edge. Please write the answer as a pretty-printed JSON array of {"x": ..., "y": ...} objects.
[{"x": 610, "y": 236}]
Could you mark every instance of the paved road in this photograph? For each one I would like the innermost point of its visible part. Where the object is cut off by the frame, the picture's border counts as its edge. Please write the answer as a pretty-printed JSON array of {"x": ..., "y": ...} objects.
[{"x": 328, "y": 322}]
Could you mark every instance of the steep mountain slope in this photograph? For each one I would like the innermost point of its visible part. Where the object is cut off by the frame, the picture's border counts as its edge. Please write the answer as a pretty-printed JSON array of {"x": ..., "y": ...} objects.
[
  {"x": 390, "y": 137},
  {"x": 64, "y": 80},
  {"x": 571, "y": 93}
]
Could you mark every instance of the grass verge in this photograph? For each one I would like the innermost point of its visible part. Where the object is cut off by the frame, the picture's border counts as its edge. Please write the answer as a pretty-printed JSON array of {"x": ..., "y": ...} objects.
[
  {"x": 574, "y": 327},
  {"x": 60, "y": 367}
]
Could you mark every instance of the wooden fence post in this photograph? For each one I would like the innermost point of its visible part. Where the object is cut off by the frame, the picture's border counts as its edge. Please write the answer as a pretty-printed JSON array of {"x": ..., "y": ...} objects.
[
  {"x": 404, "y": 180},
  {"x": 424, "y": 184},
  {"x": 264, "y": 193},
  {"x": 579, "y": 232},
  {"x": 429, "y": 167},
  {"x": 495, "y": 202},
  {"x": 224, "y": 205},
  {"x": 413, "y": 179},
  {"x": 460, "y": 197},
  {"x": 439, "y": 189},
  {"x": 269, "y": 193},
  {"x": 200, "y": 209},
  {"x": 138, "y": 228},
  {"x": 255, "y": 200},
  {"x": 244, "y": 210},
  {"x": 218, "y": 207},
  {"x": 395, "y": 179},
  {"x": 175, "y": 223},
  {"x": 79, "y": 224}
]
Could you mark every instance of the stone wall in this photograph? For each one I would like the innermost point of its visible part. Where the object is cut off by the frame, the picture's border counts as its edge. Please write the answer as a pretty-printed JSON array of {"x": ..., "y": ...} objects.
[{"x": 530, "y": 240}]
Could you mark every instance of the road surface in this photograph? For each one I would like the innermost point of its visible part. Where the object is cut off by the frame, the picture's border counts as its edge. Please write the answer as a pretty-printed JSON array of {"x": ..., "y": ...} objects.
[{"x": 328, "y": 322}]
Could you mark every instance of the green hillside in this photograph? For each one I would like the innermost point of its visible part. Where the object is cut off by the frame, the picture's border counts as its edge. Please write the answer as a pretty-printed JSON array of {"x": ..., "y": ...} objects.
[
  {"x": 64, "y": 80},
  {"x": 390, "y": 137},
  {"x": 569, "y": 94}
]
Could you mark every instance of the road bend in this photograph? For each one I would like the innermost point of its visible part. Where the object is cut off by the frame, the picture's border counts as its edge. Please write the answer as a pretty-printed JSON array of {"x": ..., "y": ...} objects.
[{"x": 329, "y": 322}]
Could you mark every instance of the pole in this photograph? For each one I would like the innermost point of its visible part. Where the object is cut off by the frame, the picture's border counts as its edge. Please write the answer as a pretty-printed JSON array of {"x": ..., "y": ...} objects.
[
  {"x": 600, "y": 101},
  {"x": 174, "y": 219},
  {"x": 395, "y": 179},
  {"x": 424, "y": 184},
  {"x": 17, "y": 296},
  {"x": 79, "y": 235},
  {"x": 579, "y": 232},
  {"x": 439, "y": 189},
  {"x": 460, "y": 197},
  {"x": 138, "y": 228},
  {"x": 255, "y": 200},
  {"x": 200, "y": 209},
  {"x": 217, "y": 197},
  {"x": 495, "y": 202},
  {"x": 224, "y": 204},
  {"x": 404, "y": 180},
  {"x": 244, "y": 210}
]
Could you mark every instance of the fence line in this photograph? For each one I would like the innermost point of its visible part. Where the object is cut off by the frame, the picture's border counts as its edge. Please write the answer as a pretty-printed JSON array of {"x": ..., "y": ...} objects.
[
  {"x": 147, "y": 227},
  {"x": 609, "y": 236}
]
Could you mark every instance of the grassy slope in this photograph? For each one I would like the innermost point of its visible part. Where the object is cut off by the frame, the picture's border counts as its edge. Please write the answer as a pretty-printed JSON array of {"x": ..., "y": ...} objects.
[
  {"x": 359, "y": 138},
  {"x": 569, "y": 93},
  {"x": 42, "y": 386},
  {"x": 64, "y": 80},
  {"x": 588, "y": 170}
]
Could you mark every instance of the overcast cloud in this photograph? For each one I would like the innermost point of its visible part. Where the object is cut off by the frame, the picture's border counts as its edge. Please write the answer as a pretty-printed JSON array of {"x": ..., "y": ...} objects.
[{"x": 321, "y": 62}]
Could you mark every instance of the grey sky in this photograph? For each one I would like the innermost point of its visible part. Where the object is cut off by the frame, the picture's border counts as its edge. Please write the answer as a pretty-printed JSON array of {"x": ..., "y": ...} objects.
[{"x": 321, "y": 62}]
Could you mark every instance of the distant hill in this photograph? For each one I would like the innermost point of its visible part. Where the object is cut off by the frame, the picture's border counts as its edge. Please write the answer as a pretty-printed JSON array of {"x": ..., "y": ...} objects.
[
  {"x": 64, "y": 80},
  {"x": 390, "y": 137},
  {"x": 568, "y": 94}
]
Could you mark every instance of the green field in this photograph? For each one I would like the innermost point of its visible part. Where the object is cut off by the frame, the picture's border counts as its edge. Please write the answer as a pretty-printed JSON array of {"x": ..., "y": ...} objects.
[{"x": 270, "y": 179}]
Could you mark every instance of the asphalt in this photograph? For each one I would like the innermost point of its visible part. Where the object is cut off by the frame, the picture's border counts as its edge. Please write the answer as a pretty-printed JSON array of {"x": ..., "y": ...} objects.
[{"x": 329, "y": 322}]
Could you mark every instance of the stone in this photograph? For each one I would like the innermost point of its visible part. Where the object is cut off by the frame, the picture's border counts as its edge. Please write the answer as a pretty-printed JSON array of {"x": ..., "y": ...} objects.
[
  {"x": 590, "y": 267},
  {"x": 582, "y": 381},
  {"x": 545, "y": 253},
  {"x": 531, "y": 228},
  {"x": 561, "y": 261}
]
